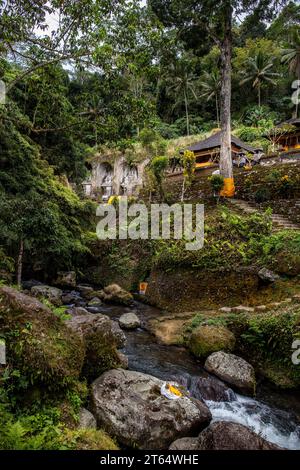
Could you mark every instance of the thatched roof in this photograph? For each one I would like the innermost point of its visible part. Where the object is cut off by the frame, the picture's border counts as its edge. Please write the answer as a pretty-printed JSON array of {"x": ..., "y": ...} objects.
[
  {"x": 290, "y": 122},
  {"x": 287, "y": 127},
  {"x": 215, "y": 141}
]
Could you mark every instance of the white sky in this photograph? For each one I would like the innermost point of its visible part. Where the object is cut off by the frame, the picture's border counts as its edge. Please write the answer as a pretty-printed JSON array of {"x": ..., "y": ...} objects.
[{"x": 52, "y": 21}]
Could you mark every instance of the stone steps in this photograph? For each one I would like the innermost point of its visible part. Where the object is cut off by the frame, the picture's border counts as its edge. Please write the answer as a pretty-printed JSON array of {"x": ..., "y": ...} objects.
[
  {"x": 279, "y": 221},
  {"x": 295, "y": 299}
]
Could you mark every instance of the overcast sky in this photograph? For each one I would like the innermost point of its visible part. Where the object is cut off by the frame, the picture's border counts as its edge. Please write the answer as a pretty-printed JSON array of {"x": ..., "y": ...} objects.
[{"x": 52, "y": 21}]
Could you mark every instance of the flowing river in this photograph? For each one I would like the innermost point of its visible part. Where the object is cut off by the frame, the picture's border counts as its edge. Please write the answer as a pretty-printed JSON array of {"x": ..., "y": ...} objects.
[{"x": 273, "y": 414}]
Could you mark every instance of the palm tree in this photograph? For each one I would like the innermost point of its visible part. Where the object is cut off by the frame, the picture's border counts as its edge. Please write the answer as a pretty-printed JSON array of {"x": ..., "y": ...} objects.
[
  {"x": 181, "y": 83},
  {"x": 291, "y": 56},
  {"x": 211, "y": 85},
  {"x": 259, "y": 72}
]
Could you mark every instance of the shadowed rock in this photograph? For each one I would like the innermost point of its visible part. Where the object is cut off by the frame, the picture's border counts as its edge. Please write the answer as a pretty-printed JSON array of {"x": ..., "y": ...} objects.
[
  {"x": 225, "y": 435},
  {"x": 233, "y": 370},
  {"x": 130, "y": 405}
]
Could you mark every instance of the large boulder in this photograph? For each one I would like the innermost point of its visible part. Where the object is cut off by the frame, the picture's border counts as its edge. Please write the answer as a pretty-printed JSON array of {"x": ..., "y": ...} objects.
[
  {"x": 53, "y": 294},
  {"x": 130, "y": 405},
  {"x": 94, "y": 305},
  {"x": 115, "y": 294},
  {"x": 185, "y": 443},
  {"x": 207, "y": 339},
  {"x": 66, "y": 279},
  {"x": 223, "y": 435},
  {"x": 233, "y": 370},
  {"x": 86, "y": 291},
  {"x": 129, "y": 321},
  {"x": 101, "y": 337},
  {"x": 86, "y": 420},
  {"x": 211, "y": 389},
  {"x": 45, "y": 351},
  {"x": 71, "y": 298}
]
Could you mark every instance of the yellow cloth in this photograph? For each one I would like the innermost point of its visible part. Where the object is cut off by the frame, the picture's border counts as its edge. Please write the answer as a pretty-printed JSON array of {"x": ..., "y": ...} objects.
[{"x": 229, "y": 188}]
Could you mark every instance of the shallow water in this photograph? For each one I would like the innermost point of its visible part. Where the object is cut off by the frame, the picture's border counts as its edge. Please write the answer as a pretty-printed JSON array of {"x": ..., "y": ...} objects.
[{"x": 146, "y": 355}]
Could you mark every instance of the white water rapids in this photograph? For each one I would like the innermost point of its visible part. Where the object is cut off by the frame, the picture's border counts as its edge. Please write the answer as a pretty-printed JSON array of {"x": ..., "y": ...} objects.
[{"x": 274, "y": 425}]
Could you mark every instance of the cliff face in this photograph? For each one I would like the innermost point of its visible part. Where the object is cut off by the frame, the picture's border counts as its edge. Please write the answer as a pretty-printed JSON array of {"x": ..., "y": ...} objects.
[{"x": 114, "y": 176}]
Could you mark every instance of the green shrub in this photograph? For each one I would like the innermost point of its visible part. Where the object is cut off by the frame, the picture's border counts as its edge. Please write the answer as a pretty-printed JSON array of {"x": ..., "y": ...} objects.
[
  {"x": 262, "y": 195},
  {"x": 217, "y": 183},
  {"x": 268, "y": 340},
  {"x": 249, "y": 134},
  {"x": 45, "y": 431}
]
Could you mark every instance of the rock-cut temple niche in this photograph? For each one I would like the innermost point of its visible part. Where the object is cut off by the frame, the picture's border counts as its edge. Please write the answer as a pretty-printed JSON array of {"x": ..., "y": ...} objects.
[
  {"x": 106, "y": 177},
  {"x": 129, "y": 179}
]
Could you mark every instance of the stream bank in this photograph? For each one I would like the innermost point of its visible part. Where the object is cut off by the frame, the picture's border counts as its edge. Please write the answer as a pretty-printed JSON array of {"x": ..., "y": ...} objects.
[{"x": 273, "y": 414}]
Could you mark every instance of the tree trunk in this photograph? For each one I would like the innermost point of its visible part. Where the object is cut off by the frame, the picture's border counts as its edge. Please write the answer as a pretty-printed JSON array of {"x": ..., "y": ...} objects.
[
  {"x": 259, "y": 96},
  {"x": 20, "y": 263},
  {"x": 187, "y": 114},
  {"x": 226, "y": 168},
  {"x": 217, "y": 109},
  {"x": 183, "y": 190},
  {"x": 297, "y": 101}
]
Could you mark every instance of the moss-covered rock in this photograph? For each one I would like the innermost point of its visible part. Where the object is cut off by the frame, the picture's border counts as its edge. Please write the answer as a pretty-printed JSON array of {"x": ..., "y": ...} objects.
[
  {"x": 207, "y": 339},
  {"x": 44, "y": 351},
  {"x": 101, "y": 338},
  {"x": 53, "y": 294},
  {"x": 92, "y": 439},
  {"x": 115, "y": 294}
]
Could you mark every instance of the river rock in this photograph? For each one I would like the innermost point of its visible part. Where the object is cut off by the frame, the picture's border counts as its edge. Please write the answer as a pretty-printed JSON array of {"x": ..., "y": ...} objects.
[
  {"x": 74, "y": 311},
  {"x": 129, "y": 321},
  {"x": 130, "y": 405},
  {"x": 71, "y": 298},
  {"x": 66, "y": 279},
  {"x": 207, "y": 339},
  {"x": 267, "y": 276},
  {"x": 95, "y": 302},
  {"x": 212, "y": 389},
  {"x": 94, "y": 310},
  {"x": 85, "y": 291},
  {"x": 53, "y": 294},
  {"x": 115, "y": 294},
  {"x": 185, "y": 443},
  {"x": 233, "y": 370},
  {"x": 225, "y": 435},
  {"x": 86, "y": 420},
  {"x": 101, "y": 339}
]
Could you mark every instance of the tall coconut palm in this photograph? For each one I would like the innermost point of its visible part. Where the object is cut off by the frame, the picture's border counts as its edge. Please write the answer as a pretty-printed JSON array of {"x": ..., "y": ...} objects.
[
  {"x": 182, "y": 83},
  {"x": 291, "y": 56},
  {"x": 210, "y": 84},
  {"x": 259, "y": 71}
]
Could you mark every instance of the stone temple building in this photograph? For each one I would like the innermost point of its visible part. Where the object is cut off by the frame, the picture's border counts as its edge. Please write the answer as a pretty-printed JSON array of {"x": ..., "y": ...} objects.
[{"x": 116, "y": 176}]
